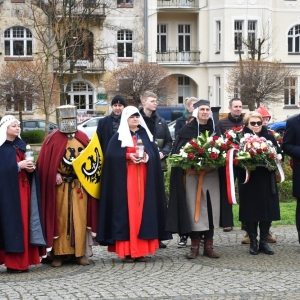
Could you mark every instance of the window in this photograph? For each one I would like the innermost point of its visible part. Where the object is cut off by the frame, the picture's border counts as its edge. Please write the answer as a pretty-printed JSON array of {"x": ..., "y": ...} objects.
[
  {"x": 125, "y": 43},
  {"x": 125, "y": 3},
  {"x": 80, "y": 46},
  {"x": 162, "y": 38},
  {"x": 81, "y": 95},
  {"x": 294, "y": 39},
  {"x": 17, "y": 42},
  {"x": 184, "y": 89},
  {"x": 218, "y": 90},
  {"x": 290, "y": 90},
  {"x": 251, "y": 34},
  {"x": 238, "y": 35},
  {"x": 218, "y": 31},
  {"x": 184, "y": 38}
]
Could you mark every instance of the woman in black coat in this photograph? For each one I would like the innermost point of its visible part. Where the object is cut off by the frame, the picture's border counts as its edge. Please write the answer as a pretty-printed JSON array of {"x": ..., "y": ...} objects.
[{"x": 259, "y": 201}]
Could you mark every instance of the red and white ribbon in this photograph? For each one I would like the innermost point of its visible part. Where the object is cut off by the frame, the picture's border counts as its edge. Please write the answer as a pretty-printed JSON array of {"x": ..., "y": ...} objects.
[
  {"x": 279, "y": 168},
  {"x": 230, "y": 176}
]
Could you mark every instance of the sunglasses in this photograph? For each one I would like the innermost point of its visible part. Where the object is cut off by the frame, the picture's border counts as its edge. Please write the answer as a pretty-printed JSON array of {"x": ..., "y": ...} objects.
[{"x": 259, "y": 123}]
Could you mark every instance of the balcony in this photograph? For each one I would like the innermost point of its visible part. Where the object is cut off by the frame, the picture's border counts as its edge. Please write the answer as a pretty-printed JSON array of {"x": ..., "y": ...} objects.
[
  {"x": 178, "y": 4},
  {"x": 90, "y": 65},
  {"x": 178, "y": 57}
]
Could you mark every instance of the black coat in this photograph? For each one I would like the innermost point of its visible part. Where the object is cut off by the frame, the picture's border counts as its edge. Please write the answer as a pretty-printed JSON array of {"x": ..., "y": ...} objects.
[
  {"x": 177, "y": 217},
  {"x": 291, "y": 146},
  {"x": 259, "y": 196},
  {"x": 105, "y": 132},
  {"x": 113, "y": 223},
  {"x": 180, "y": 122}
]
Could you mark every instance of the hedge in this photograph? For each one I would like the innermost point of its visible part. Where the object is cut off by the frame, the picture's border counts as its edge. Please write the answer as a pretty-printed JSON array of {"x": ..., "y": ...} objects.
[{"x": 33, "y": 136}]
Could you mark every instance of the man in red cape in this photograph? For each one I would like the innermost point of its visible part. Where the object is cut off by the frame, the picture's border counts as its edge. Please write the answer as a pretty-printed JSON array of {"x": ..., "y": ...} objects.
[{"x": 59, "y": 185}]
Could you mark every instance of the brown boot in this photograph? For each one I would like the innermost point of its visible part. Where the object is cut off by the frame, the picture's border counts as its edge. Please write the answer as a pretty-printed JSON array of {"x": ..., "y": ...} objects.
[
  {"x": 246, "y": 239},
  {"x": 271, "y": 239},
  {"x": 82, "y": 261},
  {"x": 209, "y": 249},
  {"x": 57, "y": 261},
  {"x": 195, "y": 243}
]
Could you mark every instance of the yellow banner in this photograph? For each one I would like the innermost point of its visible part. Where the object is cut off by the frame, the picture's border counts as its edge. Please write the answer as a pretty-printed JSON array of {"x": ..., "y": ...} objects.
[{"x": 88, "y": 167}]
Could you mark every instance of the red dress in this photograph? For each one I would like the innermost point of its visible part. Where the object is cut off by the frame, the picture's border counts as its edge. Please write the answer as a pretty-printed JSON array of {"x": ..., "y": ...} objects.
[
  {"x": 136, "y": 182},
  {"x": 30, "y": 256}
]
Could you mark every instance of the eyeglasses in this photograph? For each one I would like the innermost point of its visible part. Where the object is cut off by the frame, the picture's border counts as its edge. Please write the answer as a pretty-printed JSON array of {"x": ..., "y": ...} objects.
[{"x": 259, "y": 123}]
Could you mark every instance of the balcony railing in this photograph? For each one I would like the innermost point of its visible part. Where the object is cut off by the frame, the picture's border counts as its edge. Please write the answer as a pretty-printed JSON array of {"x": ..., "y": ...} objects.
[
  {"x": 178, "y": 3},
  {"x": 90, "y": 65},
  {"x": 178, "y": 57}
]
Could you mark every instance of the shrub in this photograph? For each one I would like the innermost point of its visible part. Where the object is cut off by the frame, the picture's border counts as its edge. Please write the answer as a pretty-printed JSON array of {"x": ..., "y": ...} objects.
[
  {"x": 33, "y": 136},
  {"x": 285, "y": 191}
]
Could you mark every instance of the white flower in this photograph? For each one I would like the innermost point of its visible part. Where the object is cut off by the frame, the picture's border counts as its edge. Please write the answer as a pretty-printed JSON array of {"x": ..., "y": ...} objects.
[
  {"x": 210, "y": 138},
  {"x": 183, "y": 153},
  {"x": 279, "y": 157},
  {"x": 224, "y": 155}
]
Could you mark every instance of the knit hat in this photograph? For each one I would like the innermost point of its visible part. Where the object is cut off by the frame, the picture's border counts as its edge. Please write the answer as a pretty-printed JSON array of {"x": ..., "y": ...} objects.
[
  {"x": 118, "y": 99},
  {"x": 201, "y": 102}
]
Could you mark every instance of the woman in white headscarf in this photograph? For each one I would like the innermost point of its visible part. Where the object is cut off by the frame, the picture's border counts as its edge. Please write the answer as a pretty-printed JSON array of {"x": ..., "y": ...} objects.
[
  {"x": 19, "y": 204},
  {"x": 132, "y": 210}
]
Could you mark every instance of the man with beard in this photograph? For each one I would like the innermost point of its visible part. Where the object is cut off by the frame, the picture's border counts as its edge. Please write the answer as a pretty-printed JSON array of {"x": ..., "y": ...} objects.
[{"x": 182, "y": 207}]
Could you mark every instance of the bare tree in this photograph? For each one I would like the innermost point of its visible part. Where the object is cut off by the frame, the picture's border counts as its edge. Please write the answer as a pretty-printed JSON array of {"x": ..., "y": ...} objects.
[
  {"x": 19, "y": 88},
  {"x": 62, "y": 28},
  {"x": 136, "y": 78},
  {"x": 258, "y": 81}
]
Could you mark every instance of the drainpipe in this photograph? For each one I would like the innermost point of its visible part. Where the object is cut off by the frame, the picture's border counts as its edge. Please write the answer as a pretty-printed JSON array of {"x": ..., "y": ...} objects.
[{"x": 146, "y": 29}]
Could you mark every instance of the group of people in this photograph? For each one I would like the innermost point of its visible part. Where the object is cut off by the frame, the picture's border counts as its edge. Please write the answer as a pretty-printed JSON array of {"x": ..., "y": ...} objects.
[{"x": 46, "y": 212}]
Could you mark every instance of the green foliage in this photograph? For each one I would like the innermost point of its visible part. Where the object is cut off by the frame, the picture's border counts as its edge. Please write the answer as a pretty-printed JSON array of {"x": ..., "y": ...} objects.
[
  {"x": 285, "y": 191},
  {"x": 33, "y": 136}
]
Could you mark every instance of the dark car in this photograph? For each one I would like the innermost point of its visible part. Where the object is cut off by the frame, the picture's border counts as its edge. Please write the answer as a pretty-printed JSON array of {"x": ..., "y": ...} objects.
[
  {"x": 37, "y": 125},
  {"x": 280, "y": 126}
]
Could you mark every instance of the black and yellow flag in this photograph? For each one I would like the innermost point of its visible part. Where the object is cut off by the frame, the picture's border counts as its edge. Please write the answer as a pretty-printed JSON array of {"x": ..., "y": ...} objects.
[{"x": 88, "y": 167}]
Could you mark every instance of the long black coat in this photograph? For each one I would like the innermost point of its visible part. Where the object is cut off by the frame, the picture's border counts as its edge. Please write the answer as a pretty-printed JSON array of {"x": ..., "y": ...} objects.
[
  {"x": 113, "y": 223},
  {"x": 259, "y": 196},
  {"x": 291, "y": 146},
  {"x": 177, "y": 218},
  {"x": 105, "y": 132}
]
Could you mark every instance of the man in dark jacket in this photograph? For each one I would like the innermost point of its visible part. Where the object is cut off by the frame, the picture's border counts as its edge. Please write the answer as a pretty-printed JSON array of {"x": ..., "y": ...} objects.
[
  {"x": 291, "y": 146},
  {"x": 109, "y": 125},
  {"x": 159, "y": 128},
  {"x": 234, "y": 119}
]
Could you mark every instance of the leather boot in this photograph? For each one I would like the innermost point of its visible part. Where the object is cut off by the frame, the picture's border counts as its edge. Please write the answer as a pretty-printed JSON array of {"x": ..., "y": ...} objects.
[
  {"x": 82, "y": 261},
  {"x": 271, "y": 238},
  {"x": 57, "y": 261},
  {"x": 246, "y": 239},
  {"x": 209, "y": 249},
  {"x": 264, "y": 228},
  {"x": 195, "y": 243},
  {"x": 252, "y": 231}
]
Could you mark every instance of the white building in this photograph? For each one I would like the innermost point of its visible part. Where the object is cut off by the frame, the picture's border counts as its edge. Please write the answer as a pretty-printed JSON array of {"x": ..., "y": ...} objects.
[{"x": 197, "y": 41}]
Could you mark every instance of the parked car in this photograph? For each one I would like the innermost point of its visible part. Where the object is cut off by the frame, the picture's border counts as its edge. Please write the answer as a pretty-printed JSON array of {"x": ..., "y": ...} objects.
[
  {"x": 170, "y": 113},
  {"x": 89, "y": 126},
  {"x": 37, "y": 125},
  {"x": 280, "y": 125}
]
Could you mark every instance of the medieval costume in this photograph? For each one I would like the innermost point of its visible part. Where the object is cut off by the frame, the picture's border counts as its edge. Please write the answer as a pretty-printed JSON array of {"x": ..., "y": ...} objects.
[
  {"x": 20, "y": 220},
  {"x": 183, "y": 191},
  {"x": 67, "y": 208},
  {"x": 132, "y": 209}
]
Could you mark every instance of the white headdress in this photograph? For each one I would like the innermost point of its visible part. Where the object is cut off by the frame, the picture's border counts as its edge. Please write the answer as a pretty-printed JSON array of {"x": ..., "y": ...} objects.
[
  {"x": 124, "y": 131},
  {"x": 4, "y": 123}
]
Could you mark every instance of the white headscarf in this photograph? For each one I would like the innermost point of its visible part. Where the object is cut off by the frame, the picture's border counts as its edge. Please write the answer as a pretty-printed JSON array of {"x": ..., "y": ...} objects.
[
  {"x": 4, "y": 123},
  {"x": 124, "y": 131}
]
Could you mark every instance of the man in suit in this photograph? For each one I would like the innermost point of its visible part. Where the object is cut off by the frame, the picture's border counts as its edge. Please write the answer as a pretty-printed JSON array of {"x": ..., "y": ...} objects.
[{"x": 291, "y": 146}]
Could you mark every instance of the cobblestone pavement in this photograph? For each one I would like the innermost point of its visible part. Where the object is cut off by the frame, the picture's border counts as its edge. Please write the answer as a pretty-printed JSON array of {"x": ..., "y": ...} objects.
[{"x": 169, "y": 275}]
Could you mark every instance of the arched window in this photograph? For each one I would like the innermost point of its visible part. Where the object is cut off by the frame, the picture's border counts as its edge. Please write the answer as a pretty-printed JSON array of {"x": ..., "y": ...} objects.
[
  {"x": 125, "y": 43},
  {"x": 294, "y": 39},
  {"x": 18, "y": 41},
  {"x": 81, "y": 95}
]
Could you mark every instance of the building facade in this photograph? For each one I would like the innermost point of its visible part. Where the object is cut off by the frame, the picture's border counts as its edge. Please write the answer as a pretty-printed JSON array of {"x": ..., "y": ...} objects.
[{"x": 199, "y": 41}]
